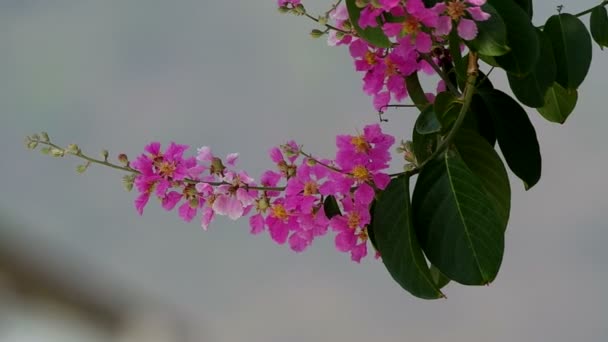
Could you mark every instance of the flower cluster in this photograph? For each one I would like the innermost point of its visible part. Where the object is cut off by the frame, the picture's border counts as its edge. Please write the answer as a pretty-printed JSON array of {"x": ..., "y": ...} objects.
[
  {"x": 290, "y": 200},
  {"x": 418, "y": 36}
]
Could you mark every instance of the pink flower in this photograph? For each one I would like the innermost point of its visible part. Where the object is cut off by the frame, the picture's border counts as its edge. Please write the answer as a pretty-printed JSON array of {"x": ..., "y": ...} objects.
[{"x": 462, "y": 12}]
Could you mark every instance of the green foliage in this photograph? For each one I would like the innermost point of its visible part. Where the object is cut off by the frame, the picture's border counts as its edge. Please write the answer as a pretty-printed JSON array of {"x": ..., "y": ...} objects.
[
  {"x": 521, "y": 37},
  {"x": 456, "y": 221},
  {"x": 571, "y": 47},
  {"x": 398, "y": 244},
  {"x": 491, "y": 39},
  {"x": 559, "y": 103},
  {"x": 531, "y": 88},
  {"x": 515, "y": 134},
  {"x": 599, "y": 26},
  {"x": 427, "y": 122}
]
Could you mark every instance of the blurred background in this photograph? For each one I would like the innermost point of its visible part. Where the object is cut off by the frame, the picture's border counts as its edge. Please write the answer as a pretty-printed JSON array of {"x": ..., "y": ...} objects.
[{"x": 78, "y": 264}]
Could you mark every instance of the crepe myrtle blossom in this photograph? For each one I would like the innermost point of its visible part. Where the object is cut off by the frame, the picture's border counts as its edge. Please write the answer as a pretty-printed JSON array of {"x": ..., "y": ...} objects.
[
  {"x": 289, "y": 201},
  {"x": 463, "y": 13}
]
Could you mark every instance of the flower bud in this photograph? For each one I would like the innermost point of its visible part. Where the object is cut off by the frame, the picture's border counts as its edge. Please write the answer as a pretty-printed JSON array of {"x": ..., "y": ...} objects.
[
  {"x": 322, "y": 20},
  {"x": 361, "y": 3},
  {"x": 32, "y": 144},
  {"x": 104, "y": 154},
  {"x": 299, "y": 10},
  {"x": 45, "y": 137},
  {"x": 72, "y": 149},
  {"x": 127, "y": 182},
  {"x": 283, "y": 9},
  {"x": 82, "y": 168},
  {"x": 45, "y": 150},
  {"x": 123, "y": 159},
  {"x": 55, "y": 152},
  {"x": 316, "y": 33}
]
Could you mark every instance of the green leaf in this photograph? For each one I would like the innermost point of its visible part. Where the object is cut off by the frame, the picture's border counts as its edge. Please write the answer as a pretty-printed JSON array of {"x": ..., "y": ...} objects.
[
  {"x": 571, "y": 47},
  {"x": 484, "y": 162},
  {"x": 526, "y": 5},
  {"x": 424, "y": 145},
  {"x": 397, "y": 242},
  {"x": 330, "y": 206},
  {"x": 559, "y": 103},
  {"x": 521, "y": 36},
  {"x": 456, "y": 222},
  {"x": 480, "y": 121},
  {"x": 515, "y": 134},
  {"x": 371, "y": 232},
  {"x": 491, "y": 38},
  {"x": 599, "y": 26},
  {"x": 415, "y": 91},
  {"x": 427, "y": 122},
  {"x": 531, "y": 89},
  {"x": 439, "y": 278},
  {"x": 372, "y": 35}
]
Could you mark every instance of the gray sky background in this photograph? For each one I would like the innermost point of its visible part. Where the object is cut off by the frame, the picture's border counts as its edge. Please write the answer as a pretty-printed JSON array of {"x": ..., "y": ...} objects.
[{"x": 239, "y": 77}]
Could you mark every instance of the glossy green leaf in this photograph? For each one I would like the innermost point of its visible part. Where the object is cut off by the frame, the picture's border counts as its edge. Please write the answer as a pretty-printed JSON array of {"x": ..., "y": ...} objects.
[
  {"x": 571, "y": 47},
  {"x": 330, "y": 206},
  {"x": 515, "y": 134},
  {"x": 439, "y": 278},
  {"x": 372, "y": 35},
  {"x": 480, "y": 121},
  {"x": 531, "y": 89},
  {"x": 371, "y": 232},
  {"x": 484, "y": 162},
  {"x": 427, "y": 121},
  {"x": 491, "y": 38},
  {"x": 398, "y": 244},
  {"x": 415, "y": 91},
  {"x": 599, "y": 26},
  {"x": 521, "y": 37},
  {"x": 456, "y": 222},
  {"x": 447, "y": 107},
  {"x": 559, "y": 103},
  {"x": 526, "y": 5},
  {"x": 424, "y": 145}
]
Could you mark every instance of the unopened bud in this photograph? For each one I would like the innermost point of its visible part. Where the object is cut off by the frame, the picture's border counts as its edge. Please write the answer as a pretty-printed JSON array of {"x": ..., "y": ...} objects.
[
  {"x": 104, "y": 154},
  {"x": 311, "y": 162},
  {"x": 361, "y": 3},
  {"x": 322, "y": 20},
  {"x": 123, "y": 159},
  {"x": 82, "y": 168},
  {"x": 45, "y": 137},
  {"x": 299, "y": 10},
  {"x": 316, "y": 33},
  {"x": 32, "y": 144},
  {"x": 127, "y": 182},
  {"x": 55, "y": 152},
  {"x": 72, "y": 149},
  {"x": 283, "y": 9},
  {"x": 45, "y": 150}
]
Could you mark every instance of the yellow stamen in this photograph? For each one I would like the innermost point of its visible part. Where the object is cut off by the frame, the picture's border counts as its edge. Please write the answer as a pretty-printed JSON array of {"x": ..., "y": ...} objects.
[
  {"x": 361, "y": 145},
  {"x": 279, "y": 211},
  {"x": 166, "y": 169},
  {"x": 456, "y": 9},
  {"x": 310, "y": 188},
  {"x": 370, "y": 58},
  {"x": 411, "y": 25},
  {"x": 360, "y": 173},
  {"x": 354, "y": 220}
]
